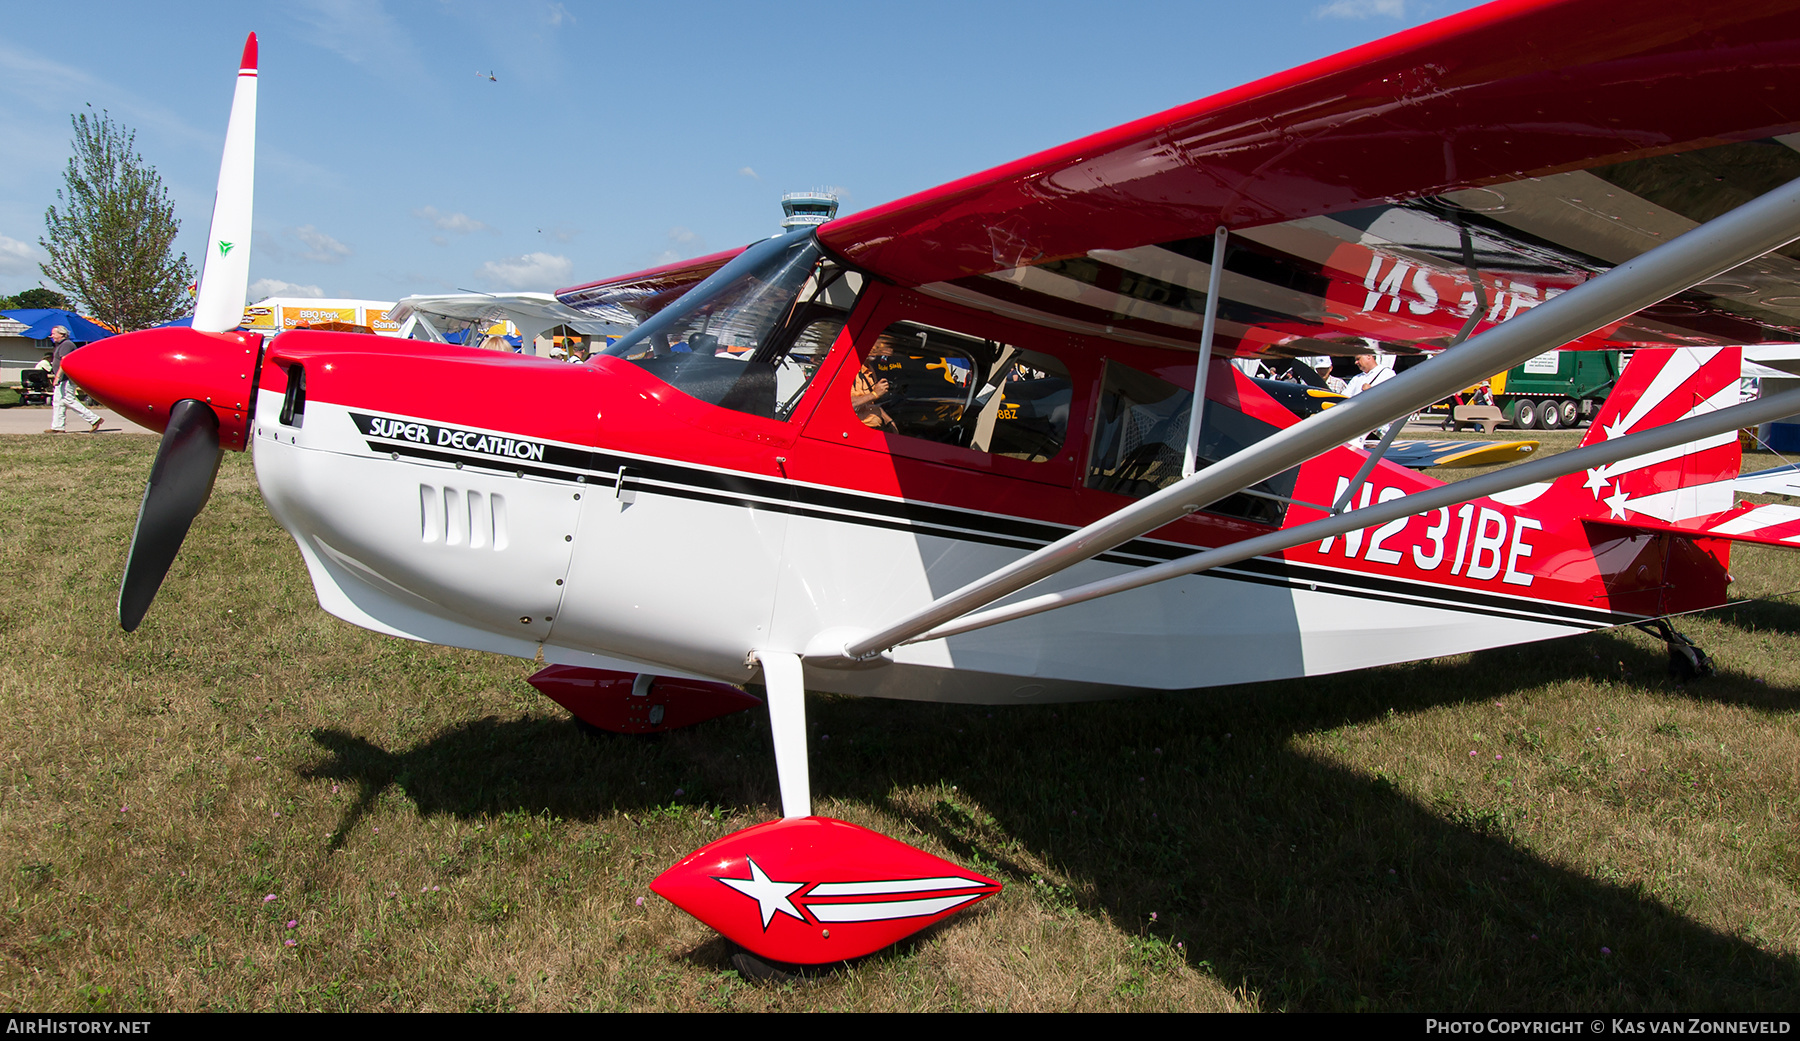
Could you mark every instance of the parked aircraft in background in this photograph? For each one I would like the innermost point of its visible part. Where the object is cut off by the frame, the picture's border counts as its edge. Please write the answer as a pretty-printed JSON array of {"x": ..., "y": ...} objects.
[{"x": 532, "y": 314}]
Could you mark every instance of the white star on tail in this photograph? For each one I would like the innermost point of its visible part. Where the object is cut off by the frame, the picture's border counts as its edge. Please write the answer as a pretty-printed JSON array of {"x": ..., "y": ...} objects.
[
  {"x": 1596, "y": 481},
  {"x": 1616, "y": 503},
  {"x": 770, "y": 896}
]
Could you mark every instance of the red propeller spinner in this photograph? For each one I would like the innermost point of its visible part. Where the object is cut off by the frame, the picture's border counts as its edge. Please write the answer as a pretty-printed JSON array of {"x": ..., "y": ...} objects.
[{"x": 142, "y": 375}]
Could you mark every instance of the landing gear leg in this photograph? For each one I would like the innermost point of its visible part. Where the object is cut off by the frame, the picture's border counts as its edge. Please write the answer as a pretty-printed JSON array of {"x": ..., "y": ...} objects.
[
  {"x": 1686, "y": 660},
  {"x": 787, "y": 719}
]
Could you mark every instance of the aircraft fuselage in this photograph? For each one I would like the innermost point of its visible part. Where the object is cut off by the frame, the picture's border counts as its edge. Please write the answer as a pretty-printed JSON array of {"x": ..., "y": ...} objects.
[{"x": 599, "y": 515}]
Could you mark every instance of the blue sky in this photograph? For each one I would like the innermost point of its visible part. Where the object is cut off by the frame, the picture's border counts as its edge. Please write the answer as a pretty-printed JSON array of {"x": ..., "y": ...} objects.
[{"x": 613, "y": 136}]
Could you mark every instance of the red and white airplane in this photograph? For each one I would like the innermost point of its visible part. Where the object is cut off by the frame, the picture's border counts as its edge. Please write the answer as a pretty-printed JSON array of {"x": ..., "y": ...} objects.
[{"x": 949, "y": 449}]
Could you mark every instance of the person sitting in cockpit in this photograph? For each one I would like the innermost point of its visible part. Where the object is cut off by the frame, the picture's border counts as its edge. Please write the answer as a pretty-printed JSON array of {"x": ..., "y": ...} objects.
[{"x": 869, "y": 389}]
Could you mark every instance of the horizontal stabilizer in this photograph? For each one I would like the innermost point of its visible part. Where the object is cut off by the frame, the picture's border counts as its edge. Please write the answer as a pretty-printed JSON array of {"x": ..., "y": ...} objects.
[
  {"x": 1770, "y": 525},
  {"x": 1778, "y": 480}
]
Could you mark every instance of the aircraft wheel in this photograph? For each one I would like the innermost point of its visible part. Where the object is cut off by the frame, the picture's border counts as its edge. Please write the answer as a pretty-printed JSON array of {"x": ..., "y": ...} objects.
[
  {"x": 1525, "y": 415},
  {"x": 1688, "y": 662},
  {"x": 1550, "y": 416},
  {"x": 1571, "y": 414},
  {"x": 592, "y": 732},
  {"x": 757, "y": 969},
  {"x": 601, "y": 734}
]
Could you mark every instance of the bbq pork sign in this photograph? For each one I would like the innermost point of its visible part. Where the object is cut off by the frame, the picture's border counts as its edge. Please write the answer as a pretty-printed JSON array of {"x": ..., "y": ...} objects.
[{"x": 381, "y": 428}]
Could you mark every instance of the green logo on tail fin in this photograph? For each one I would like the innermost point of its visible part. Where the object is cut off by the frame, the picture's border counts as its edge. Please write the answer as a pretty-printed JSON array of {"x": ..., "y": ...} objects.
[{"x": 224, "y": 247}]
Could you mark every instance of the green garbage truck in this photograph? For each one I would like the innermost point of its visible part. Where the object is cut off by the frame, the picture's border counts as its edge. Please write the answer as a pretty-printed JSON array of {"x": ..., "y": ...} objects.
[{"x": 1556, "y": 389}]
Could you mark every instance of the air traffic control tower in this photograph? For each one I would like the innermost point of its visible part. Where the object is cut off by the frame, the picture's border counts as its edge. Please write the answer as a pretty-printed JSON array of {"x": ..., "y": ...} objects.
[{"x": 803, "y": 208}]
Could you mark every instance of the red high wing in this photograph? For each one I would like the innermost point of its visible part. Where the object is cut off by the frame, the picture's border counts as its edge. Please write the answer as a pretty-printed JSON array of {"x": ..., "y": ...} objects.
[
  {"x": 813, "y": 890},
  {"x": 1470, "y": 168},
  {"x": 1509, "y": 90},
  {"x": 1467, "y": 169}
]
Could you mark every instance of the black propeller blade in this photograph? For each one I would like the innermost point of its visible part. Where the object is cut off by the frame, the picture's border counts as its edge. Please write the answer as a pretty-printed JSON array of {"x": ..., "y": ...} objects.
[{"x": 187, "y": 462}]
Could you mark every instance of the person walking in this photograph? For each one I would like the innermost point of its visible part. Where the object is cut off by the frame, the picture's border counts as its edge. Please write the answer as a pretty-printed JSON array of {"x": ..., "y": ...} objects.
[{"x": 63, "y": 394}]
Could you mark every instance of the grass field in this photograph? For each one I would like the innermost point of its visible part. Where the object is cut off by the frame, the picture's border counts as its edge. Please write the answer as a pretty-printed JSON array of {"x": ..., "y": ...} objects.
[{"x": 251, "y": 805}]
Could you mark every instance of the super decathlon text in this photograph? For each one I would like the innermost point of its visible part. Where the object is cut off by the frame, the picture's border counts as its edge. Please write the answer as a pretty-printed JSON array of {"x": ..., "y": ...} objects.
[{"x": 449, "y": 437}]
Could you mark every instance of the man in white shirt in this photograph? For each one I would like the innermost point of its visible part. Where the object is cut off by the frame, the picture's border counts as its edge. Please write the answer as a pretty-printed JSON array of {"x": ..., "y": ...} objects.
[
  {"x": 1373, "y": 373},
  {"x": 63, "y": 394}
]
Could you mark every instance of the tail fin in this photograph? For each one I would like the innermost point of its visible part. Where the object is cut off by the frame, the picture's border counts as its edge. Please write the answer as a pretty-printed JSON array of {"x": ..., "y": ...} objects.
[{"x": 1660, "y": 386}]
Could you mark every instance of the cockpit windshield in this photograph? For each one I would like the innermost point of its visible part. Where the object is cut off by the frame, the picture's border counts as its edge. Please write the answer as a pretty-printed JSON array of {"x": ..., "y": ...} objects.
[{"x": 751, "y": 336}]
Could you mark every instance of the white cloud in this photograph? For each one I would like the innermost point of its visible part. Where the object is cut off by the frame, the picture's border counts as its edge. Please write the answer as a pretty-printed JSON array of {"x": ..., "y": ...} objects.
[
  {"x": 17, "y": 258},
  {"x": 320, "y": 247},
  {"x": 37, "y": 82},
  {"x": 303, "y": 243},
  {"x": 1361, "y": 9},
  {"x": 745, "y": 171},
  {"x": 263, "y": 288},
  {"x": 558, "y": 14},
  {"x": 683, "y": 243},
  {"x": 540, "y": 271},
  {"x": 457, "y": 222},
  {"x": 362, "y": 32}
]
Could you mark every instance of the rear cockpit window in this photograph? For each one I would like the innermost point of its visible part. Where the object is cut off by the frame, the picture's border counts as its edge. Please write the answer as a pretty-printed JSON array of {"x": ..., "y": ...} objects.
[
  {"x": 931, "y": 383},
  {"x": 1140, "y": 441}
]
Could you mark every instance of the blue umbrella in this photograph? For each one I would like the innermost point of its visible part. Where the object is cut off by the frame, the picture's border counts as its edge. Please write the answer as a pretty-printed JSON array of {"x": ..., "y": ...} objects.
[{"x": 38, "y": 322}]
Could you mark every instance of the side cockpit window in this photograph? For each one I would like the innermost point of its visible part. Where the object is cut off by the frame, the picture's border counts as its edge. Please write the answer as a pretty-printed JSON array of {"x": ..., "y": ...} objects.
[
  {"x": 1140, "y": 441},
  {"x": 751, "y": 337},
  {"x": 938, "y": 385}
]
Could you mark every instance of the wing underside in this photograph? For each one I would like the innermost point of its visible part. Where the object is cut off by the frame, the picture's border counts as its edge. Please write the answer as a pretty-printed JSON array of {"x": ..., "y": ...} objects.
[{"x": 1395, "y": 274}]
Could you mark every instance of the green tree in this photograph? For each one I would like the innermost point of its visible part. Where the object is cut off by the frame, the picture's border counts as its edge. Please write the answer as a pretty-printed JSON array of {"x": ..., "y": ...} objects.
[
  {"x": 35, "y": 297},
  {"x": 111, "y": 244}
]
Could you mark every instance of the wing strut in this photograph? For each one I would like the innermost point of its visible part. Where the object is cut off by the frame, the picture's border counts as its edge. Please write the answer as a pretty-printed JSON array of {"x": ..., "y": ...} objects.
[
  {"x": 1368, "y": 467},
  {"x": 1765, "y": 223},
  {"x": 1190, "y": 462},
  {"x": 1547, "y": 468}
]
